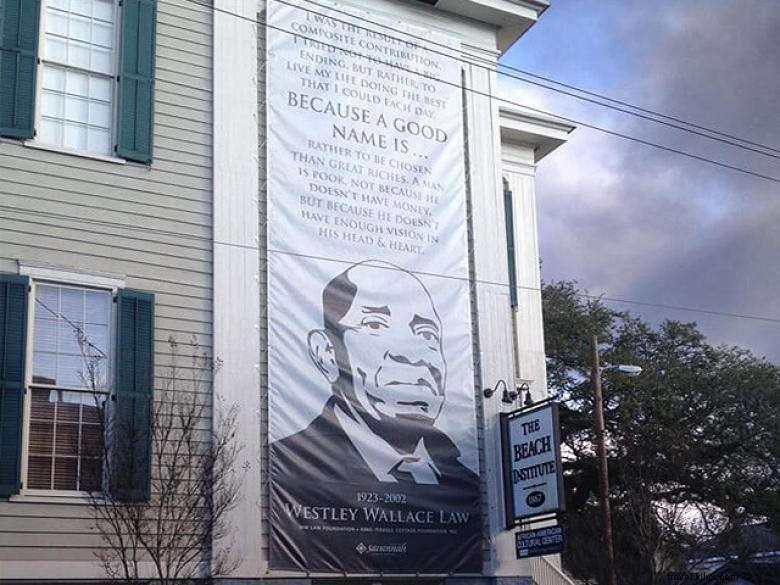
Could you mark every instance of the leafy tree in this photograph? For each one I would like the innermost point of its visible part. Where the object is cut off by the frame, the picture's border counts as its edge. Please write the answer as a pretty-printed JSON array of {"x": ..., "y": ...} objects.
[{"x": 693, "y": 443}]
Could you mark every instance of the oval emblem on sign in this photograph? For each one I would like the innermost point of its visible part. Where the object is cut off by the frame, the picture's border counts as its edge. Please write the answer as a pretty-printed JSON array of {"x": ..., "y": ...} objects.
[{"x": 534, "y": 499}]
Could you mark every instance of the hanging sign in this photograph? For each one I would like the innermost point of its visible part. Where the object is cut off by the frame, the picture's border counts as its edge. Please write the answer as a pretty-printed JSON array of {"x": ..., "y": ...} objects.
[
  {"x": 373, "y": 461},
  {"x": 533, "y": 478},
  {"x": 536, "y": 543}
]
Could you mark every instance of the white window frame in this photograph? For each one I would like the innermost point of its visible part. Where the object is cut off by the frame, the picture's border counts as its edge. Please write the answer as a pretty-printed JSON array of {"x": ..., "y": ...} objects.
[
  {"x": 35, "y": 142},
  {"x": 44, "y": 274}
]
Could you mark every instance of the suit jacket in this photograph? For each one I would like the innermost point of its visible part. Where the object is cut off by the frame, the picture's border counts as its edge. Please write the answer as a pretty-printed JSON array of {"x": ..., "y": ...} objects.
[
  {"x": 318, "y": 471},
  {"x": 323, "y": 452}
]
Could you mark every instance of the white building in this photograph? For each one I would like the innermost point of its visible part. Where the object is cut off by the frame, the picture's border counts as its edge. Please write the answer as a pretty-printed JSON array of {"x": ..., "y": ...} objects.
[{"x": 183, "y": 217}]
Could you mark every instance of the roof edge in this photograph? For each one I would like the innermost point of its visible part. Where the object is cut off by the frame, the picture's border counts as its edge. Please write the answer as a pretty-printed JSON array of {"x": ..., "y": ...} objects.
[
  {"x": 543, "y": 133},
  {"x": 512, "y": 18}
]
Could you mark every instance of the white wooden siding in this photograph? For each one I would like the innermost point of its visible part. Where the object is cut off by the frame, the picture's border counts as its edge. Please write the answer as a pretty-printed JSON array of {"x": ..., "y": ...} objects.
[{"x": 151, "y": 224}]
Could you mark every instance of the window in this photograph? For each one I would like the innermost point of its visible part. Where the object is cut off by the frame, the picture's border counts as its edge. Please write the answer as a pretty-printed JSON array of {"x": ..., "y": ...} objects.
[
  {"x": 79, "y": 74},
  {"x": 70, "y": 364},
  {"x": 509, "y": 216},
  {"x": 66, "y": 351},
  {"x": 78, "y": 66}
]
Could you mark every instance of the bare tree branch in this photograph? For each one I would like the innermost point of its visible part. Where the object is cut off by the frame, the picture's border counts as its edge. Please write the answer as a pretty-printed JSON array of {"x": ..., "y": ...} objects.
[{"x": 194, "y": 484}]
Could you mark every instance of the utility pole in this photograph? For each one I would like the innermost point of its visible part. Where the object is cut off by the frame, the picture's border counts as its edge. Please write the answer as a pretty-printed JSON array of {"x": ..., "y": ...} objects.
[{"x": 598, "y": 414}]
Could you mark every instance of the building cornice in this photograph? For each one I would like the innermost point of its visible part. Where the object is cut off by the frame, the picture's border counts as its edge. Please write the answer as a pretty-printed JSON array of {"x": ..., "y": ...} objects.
[
  {"x": 523, "y": 127},
  {"x": 511, "y": 17}
]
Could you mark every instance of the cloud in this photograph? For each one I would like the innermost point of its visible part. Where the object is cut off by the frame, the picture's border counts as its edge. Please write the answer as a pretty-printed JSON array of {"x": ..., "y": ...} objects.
[{"x": 639, "y": 223}]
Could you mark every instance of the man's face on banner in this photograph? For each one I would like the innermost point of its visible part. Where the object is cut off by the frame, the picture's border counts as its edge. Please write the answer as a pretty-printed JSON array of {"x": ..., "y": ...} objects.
[{"x": 392, "y": 351}]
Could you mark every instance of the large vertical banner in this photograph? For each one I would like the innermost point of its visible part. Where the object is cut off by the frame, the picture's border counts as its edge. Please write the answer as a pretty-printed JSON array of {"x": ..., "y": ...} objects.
[{"x": 373, "y": 451}]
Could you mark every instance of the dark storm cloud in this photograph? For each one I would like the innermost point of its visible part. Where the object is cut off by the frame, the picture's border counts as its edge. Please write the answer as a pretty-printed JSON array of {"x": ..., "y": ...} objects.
[{"x": 639, "y": 223}]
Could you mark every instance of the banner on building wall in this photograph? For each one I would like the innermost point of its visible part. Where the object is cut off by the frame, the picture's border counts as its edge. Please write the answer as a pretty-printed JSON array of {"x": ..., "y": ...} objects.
[
  {"x": 533, "y": 473},
  {"x": 373, "y": 449}
]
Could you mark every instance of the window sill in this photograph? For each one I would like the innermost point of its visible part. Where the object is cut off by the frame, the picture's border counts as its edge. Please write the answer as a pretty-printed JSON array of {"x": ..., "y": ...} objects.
[
  {"x": 68, "y": 151},
  {"x": 51, "y": 497}
]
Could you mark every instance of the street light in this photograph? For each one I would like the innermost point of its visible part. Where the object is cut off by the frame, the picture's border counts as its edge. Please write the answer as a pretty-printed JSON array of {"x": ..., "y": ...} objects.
[
  {"x": 630, "y": 371},
  {"x": 598, "y": 413}
]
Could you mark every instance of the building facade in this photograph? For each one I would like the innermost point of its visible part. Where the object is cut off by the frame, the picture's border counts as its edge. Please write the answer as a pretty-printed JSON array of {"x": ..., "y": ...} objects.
[
  {"x": 82, "y": 223},
  {"x": 135, "y": 190}
]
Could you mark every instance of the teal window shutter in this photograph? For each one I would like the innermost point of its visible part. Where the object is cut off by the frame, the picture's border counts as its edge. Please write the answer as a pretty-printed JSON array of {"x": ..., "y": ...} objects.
[
  {"x": 136, "y": 80},
  {"x": 130, "y": 459},
  {"x": 509, "y": 217},
  {"x": 13, "y": 337},
  {"x": 19, "y": 22}
]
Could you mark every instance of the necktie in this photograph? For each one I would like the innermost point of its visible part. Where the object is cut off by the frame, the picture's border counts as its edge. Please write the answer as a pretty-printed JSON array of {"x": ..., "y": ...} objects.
[{"x": 413, "y": 470}]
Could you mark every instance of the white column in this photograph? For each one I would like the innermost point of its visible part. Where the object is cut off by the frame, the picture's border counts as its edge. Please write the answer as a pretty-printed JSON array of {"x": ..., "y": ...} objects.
[
  {"x": 494, "y": 318},
  {"x": 236, "y": 261}
]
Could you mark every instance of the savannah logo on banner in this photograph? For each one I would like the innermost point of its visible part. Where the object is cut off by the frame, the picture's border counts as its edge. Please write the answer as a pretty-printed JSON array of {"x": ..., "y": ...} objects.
[{"x": 373, "y": 454}]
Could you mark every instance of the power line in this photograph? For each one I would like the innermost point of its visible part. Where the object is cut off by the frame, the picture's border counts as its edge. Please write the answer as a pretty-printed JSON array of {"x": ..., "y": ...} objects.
[
  {"x": 81, "y": 334},
  {"x": 503, "y": 100},
  {"x": 639, "y": 108},
  {"x": 476, "y": 281},
  {"x": 490, "y": 66},
  {"x": 343, "y": 261}
]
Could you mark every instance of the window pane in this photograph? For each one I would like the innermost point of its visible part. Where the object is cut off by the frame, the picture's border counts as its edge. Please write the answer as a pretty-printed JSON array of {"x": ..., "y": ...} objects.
[
  {"x": 81, "y": 7},
  {"x": 65, "y": 473},
  {"x": 91, "y": 440},
  {"x": 51, "y": 132},
  {"x": 41, "y": 437},
  {"x": 68, "y": 408},
  {"x": 76, "y": 397},
  {"x": 42, "y": 404},
  {"x": 47, "y": 301},
  {"x": 67, "y": 438},
  {"x": 57, "y": 23},
  {"x": 56, "y": 49},
  {"x": 45, "y": 337},
  {"x": 99, "y": 141},
  {"x": 44, "y": 368},
  {"x": 80, "y": 28},
  {"x": 102, "y": 61},
  {"x": 98, "y": 304},
  {"x": 76, "y": 109},
  {"x": 91, "y": 478},
  {"x": 97, "y": 335},
  {"x": 72, "y": 304},
  {"x": 69, "y": 371},
  {"x": 75, "y": 136},
  {"x": 100, "y": 88},
  {"x": 103, "y": 10},
  {"x": 39, "y": 472},
  {"x": 78, "y": 54},
  {"x": 52, "y": 104},
  {"x": 99, "y": 114},
  {"x": 54, "y": 78},
  {"x": 103, "y": 34},
  {"x": 68, "y": 340},
  {"x": 77, "y": 83}
]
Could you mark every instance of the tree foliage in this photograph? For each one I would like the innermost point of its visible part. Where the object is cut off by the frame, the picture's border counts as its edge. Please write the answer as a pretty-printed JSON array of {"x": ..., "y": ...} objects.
[{"x": 693, "y": 442}]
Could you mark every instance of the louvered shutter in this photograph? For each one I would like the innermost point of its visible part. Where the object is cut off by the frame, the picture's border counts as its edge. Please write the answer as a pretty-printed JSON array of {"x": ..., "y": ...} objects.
[
  {"x": 13, "y": 337},
  {"x": 131, "y": 437},
  {"x": 19, "y": 22},
  {"x": 136, "y": 80}
]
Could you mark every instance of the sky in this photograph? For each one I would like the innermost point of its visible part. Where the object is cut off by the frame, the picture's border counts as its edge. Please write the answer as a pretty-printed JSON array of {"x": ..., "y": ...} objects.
[{"x": 633, "y": 222}]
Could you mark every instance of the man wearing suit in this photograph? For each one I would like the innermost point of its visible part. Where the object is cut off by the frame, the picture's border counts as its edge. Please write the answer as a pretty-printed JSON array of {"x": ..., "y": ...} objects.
[
  {"x": 380, "y": 350},
  {"x": 387, "y": 371}
]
